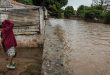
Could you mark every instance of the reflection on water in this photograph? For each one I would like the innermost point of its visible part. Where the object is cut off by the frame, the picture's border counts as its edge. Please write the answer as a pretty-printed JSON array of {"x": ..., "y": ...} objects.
[{"x": 88, "y": 51}]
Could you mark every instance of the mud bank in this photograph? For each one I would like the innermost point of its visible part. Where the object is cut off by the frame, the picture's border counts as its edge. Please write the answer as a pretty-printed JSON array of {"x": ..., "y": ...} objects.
[{"x": 53, "y": 51}]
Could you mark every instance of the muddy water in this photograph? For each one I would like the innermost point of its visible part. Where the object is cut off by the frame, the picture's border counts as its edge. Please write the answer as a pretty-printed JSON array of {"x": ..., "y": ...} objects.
[{"x": 86, "y": 47}]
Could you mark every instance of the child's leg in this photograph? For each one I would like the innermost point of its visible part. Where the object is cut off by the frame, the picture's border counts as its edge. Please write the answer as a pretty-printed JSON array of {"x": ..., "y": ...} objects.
[
  {"x": 11, "y": 59},
  {"x": 11, "y": 53},
  {"x": 11, "y": 65}
]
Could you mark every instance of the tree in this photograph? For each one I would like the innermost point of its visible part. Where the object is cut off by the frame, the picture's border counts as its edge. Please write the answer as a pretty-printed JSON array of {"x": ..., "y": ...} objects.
[
  {"x": 69, "y": 12},
  {"x": 98, "y": 7},
  {"x": 98, "y": 2},
  {"x": 107, "y": 18},
  {"x": 38, "y": 2},
  {"x": 80, "y": 11},
  {"x": 54, "y": 6},
  {"x": 51, "y": 4}
]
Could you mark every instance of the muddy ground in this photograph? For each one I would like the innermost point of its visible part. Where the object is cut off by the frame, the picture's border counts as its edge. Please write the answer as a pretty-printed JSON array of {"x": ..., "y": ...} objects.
[{"x": 28, "y": 61}]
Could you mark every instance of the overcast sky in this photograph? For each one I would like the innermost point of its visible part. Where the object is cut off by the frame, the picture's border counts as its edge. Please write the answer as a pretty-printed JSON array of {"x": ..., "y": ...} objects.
[{"x": 77, "y": 3}]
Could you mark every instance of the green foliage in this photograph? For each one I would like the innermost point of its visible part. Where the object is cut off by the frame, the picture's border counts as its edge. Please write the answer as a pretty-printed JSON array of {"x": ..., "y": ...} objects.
[
  {"x": 98, "y": 14},
  {"x": 103, "y": 14},
  {"x": 37, "y": 2},
  {"x": 98, "y": 7},
  {"x": 54, "y": 7},
  {"x": 57, "y": 14},
  {"x": 80, "y": 11},
  {"x": 69, "y": 11},
  {"x": 89, "y": 15},
  {"x": 58, "y": 3},
  {"x": 93, "y": 13},
  {"x": 107, "y": 18},
  {"x": 29, "y": 2}
]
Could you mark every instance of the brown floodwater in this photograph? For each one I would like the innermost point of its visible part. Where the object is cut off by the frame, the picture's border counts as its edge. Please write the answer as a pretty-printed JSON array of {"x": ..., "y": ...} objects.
[{"x": 86, "y": 46}]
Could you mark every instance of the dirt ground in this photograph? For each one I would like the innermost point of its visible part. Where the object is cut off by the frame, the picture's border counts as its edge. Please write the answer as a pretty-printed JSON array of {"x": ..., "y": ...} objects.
[{"x": 28, "y": 61}]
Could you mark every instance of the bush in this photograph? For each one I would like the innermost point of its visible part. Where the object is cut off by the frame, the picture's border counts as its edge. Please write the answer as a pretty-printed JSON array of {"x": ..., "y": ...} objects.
[
  {"x": 94, "y": 14},
  {"x": 107, "y": 18},
  {"x": 89, "y": 15}
]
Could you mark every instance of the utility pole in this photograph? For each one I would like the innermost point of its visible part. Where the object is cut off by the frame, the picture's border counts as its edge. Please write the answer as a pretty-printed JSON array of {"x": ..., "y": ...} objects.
[
  {"x": 43, "y": 7},
  {"x": 43, "y": 4}
]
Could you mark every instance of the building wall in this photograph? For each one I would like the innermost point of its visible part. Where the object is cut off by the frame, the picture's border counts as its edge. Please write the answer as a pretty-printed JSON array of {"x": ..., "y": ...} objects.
[{"x": 27, "y": 25}]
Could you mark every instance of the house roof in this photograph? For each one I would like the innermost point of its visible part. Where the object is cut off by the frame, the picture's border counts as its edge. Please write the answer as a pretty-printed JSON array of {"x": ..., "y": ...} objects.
[{"x": 11, "y": 4}]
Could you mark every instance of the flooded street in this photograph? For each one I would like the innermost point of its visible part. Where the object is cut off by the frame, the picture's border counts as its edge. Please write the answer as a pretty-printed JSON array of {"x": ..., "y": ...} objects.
[
  {"x": 88, "y": 48},
  {"x": 85, "y": 47}
]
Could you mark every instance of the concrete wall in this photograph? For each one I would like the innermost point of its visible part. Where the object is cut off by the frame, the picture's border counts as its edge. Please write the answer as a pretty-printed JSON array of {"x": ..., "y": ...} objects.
[{"x": 29, "y": 27}]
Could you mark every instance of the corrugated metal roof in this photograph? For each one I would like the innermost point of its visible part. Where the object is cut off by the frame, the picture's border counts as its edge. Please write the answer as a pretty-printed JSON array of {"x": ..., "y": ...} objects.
[
  {"x": 11, "y": 4},
  {"x": 5, "y": 4}
]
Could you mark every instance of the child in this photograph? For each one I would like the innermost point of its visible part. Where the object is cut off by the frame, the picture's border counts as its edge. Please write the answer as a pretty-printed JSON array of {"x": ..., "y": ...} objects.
[{"x": 8, "y": 41}]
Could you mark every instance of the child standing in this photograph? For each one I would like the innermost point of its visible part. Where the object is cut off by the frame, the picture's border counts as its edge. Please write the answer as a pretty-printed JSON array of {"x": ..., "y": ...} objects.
[{"x": 9, "y": 41}]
